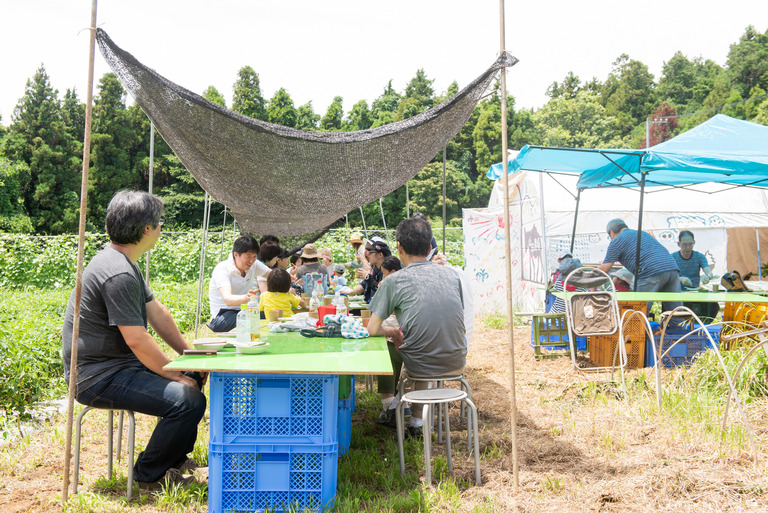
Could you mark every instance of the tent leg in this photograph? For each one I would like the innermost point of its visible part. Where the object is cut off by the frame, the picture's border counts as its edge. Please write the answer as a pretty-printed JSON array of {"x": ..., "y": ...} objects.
[
  {"x": 639, "y": 225},
  {"x": 575, "y": 219}
]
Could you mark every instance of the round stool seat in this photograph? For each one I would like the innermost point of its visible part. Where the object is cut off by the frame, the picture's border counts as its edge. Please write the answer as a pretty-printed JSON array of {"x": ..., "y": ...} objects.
[{"x": 434, "y": 395}]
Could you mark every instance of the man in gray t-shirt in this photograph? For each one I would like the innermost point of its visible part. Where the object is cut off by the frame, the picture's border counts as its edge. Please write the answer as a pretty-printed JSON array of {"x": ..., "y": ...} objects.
[
  {"x": 427, "y": 300},
  {"x": 119, "y": 364}
]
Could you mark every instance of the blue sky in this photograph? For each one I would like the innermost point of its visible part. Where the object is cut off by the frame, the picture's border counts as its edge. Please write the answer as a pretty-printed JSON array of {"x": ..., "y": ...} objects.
[{"x": 351, "y": 48}]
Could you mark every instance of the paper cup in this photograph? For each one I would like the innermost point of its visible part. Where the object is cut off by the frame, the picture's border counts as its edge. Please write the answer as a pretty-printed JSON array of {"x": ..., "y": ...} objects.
[
  {"x": 365, "y": 321},
  {"x": 305, "y": 295},
  {"x": 715, "y": 287},
  {"x": 274, "y": 315},
  {"x": 327, "y": 300},
  {"x": 365, "y": 314},
  {"x": 313, "y": 315}
]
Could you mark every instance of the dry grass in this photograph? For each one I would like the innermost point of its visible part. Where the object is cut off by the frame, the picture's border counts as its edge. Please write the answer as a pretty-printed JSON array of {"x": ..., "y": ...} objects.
[{"x": 579, "y": 449}]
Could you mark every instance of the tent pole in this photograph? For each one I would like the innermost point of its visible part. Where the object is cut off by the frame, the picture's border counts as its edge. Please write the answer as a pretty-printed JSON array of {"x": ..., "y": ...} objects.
[
  {"x": 444, "y": 157},
  {"x": 149, "y": 187},
  {"x": 639, "y": 227},
  {"x": 203, "y": 253},
  {"x": 543, "y": 222},
  {"x": 759, "y": 260},
  {"x": 223, "y": 234},
  {"x": 407, "y": 201},
  {"x": 80, "y": 255},
  {"x": 384, "y": 222},
  {"x": 575, "y": 218},
  {"x": 362, "y": 216},
  {"x": 507, "y": 253}
]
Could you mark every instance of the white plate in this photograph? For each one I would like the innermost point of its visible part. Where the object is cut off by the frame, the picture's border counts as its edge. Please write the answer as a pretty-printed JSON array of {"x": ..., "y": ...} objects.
[
  {"x": 251, "y": 349},
  {"x": 210, "y": 343}
]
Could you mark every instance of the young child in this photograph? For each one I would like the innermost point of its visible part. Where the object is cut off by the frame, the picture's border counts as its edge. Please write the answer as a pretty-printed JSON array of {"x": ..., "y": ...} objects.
[
  {"x": 341, "y": 281},
  {"x": 278, "y": 295}
]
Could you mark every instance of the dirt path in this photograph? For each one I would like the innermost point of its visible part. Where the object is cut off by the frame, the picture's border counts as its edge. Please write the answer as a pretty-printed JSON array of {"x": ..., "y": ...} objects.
[{"x": 580, "y": 448}]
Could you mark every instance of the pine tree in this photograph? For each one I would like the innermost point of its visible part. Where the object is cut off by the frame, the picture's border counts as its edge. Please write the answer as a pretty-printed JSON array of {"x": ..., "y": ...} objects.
[{"x": 247, "y": 99}]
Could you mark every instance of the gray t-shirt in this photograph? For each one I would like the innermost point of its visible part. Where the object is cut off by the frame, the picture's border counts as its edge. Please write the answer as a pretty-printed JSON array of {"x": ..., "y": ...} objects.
[
  {"x": 114, "y": 294},
  {"x": 427, "y": 300}
]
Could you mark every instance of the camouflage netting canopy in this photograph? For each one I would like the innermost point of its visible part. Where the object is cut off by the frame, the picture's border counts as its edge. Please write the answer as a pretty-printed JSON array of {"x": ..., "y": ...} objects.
[{"x": 284, "y": 181}]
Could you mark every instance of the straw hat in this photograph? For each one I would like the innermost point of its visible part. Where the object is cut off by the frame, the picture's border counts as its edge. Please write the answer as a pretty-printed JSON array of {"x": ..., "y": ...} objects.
[
  {"x": 325, "y": 252},
  {"x": 310, "y": 251},
  {"x": 356, "y": 239}
]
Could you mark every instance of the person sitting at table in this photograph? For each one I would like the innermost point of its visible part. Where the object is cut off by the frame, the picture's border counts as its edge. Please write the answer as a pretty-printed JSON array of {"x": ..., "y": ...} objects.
[
  {"x": 119, "y": 363},
  {"x": 567, "y": 266},
  {"x": 326, "y": 255},
  {"x": 623, "y": 280},
  {"x": 691, "y": 263},
  {"x": 341, "y": 281},
  {"x": 658, "y": 271},
  {"x": 375, "y": 253},
  {"x": 232, "y": 283},
  {"x": 269, "y": 253},
  {"x": 432, "y": 336},
  {"x": 310, "y": 264},
  {"x": 279, "y": 295},
  {"x": 284, "y": 260}
]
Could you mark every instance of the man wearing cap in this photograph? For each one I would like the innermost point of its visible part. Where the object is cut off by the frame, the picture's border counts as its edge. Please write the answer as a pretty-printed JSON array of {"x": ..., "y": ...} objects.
[
  {"x": 375, "y": 252},
  {"x": 658, "y": 271},
  {"x": 310, "y": 264}
]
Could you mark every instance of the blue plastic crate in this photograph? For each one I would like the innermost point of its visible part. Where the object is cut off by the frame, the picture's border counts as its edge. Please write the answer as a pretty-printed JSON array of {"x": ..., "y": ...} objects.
[
  {"x": 684, "y": 353},
  {"x": 274, "y": 408},
  {"x": 581, "y": 342},
  {"x": 345, "y": 425},
  {"x": 257, "y": 477}
]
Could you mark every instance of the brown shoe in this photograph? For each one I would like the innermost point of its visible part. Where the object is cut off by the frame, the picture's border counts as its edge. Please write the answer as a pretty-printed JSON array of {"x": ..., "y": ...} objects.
[
  {"x": 172, "y": 477},
  {"x": 190, "y": 466}
]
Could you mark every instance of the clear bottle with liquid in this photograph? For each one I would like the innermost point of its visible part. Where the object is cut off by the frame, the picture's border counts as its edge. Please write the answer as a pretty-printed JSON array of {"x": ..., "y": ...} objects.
[
  {"x": 341, "y": 306},
  {"x": 253, "y": 313},
  {"x": 317, "y": 297},
  {"x": 243, "y": 325}
]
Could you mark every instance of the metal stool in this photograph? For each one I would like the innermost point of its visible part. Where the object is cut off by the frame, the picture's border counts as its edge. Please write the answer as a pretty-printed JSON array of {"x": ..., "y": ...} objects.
[
  {"x": 131, "y": 433},
  {"x": 438, "y": 396},
  {"x": 438, "y": 381}
]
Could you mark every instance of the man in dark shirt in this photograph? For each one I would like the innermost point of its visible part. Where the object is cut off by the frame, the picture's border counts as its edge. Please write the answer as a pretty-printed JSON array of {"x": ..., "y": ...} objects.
[
  {"x": 376, "y": 250},
  {"x": 119, "y": 364}
]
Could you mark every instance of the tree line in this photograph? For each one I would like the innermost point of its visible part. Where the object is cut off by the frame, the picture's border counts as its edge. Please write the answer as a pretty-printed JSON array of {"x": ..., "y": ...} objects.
[{"x": 41, "y": 149}]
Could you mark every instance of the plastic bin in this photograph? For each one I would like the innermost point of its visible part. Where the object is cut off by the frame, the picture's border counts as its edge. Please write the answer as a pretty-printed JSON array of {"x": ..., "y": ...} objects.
[
  {"x": 684, "y": 353},
  {"x": 345, "y": 425},
  {"x": 602, "y": 347},
  {"x": 259, "y": 477},
  {"x": 274, "y": 408},
  {"x": 552, "y": 328}
]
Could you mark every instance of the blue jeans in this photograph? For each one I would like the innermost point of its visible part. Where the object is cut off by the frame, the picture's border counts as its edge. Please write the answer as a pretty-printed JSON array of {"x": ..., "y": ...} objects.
[
  {"x": 667, "y": 281},
  {"x": 179, "y": 408},
  {"x": 225, "y": 320}
]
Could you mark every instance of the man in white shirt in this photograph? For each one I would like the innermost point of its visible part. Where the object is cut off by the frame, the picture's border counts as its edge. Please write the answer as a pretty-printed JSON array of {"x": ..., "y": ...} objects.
[{"x": 232, "y": 283}]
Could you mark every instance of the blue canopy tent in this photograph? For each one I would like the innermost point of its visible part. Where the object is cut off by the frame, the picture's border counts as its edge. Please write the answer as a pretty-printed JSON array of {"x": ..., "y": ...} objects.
[{"x": 722, "y": 150}]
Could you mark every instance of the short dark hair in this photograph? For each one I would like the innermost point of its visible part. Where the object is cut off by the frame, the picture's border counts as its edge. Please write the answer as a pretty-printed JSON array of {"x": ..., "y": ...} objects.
[
  {"x": 391, "y": 264},
  {"x": 295, "y": 258},
  {"x": 415, "y": 236},
  {"x": 615, "y": 226},
  {"x": 268, "y": 251},
  {"x": 683, "y": 234},
  {"x": 308, "y": 260},
  {"x": 278, "y": 280},
  {"x": 269, "y": 238},
  {"x": 244, "y": 244},
  {"x": 129, "y": 212},
  {"x": 284, "y": 254}
]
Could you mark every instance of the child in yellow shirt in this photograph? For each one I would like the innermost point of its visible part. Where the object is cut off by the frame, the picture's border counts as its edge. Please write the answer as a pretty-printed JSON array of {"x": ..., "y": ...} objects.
[{"x": 279, "y": 295}]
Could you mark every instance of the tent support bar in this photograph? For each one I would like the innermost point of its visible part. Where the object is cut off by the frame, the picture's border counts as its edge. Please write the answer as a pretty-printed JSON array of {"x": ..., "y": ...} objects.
[
  {"x": 575, "y": 218},
  {"x": 639, "y": 228},
  {"x": 759, "y": 260},
  {"x": 445, "y": 151}
]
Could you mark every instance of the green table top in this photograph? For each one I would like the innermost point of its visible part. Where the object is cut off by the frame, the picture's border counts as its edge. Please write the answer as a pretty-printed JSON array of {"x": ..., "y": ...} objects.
[
  {"x": 688, "y": 297},
  {"x": 693, "y": 297},
  {"x": 291, "y": 353}
]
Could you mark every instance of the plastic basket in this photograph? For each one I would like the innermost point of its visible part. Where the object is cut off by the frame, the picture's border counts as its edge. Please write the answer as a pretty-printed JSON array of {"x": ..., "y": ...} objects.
[
  {"x": 602, "y": 347},
  {"x": 684, "y": 353},
  {"x": 552, "y": 333},
  {"x": 345, "y": 425},
  {"x": 256, "y": 477},
  {"x": 273, "y": 408}
]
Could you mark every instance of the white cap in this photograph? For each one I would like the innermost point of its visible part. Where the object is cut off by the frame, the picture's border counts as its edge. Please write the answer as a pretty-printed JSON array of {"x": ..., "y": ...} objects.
[{"x": 624, "y": 274}]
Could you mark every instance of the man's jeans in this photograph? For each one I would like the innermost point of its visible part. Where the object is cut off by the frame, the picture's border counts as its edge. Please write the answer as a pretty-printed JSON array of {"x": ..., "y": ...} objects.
[
  {"x": 667, "y": 281},
  {"x": 179, "y": 408},
  {"x": 226, "y": 320}
]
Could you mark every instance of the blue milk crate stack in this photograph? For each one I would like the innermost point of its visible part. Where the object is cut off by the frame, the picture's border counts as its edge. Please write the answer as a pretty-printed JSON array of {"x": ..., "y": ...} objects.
[
  {"x": 684, "y": 353},
  {"x": 274, "y": 442}
]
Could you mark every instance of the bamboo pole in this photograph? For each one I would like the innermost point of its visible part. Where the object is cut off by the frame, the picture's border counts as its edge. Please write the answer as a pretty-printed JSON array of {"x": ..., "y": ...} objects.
[
  {"x": 80, "y": 255},
  {"x": 507, "y": 254}
]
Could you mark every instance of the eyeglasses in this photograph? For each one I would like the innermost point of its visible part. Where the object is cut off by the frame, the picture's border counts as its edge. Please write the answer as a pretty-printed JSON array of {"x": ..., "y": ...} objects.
[
  {"x": 161, "y": 222},
  {"x": 687, "y": 244}
]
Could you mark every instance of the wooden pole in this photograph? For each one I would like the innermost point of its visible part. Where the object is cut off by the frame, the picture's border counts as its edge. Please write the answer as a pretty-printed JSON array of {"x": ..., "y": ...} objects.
[
  {"x": 508, "y": 259},
  {"x": 80, "y": 255}
]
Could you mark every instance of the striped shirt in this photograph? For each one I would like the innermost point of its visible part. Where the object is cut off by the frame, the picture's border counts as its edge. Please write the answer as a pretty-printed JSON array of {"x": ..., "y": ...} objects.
[
  {"x": 654, "y": 258},
  {"x": 690, "y": 268}
]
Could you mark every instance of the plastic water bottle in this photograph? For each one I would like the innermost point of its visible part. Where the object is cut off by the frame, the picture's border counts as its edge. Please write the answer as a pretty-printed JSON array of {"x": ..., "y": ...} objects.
[
  {"x": 255, "y": 320},
  {"x": 317, "y": 297},
  {"x": 338, "y": 302},
  {"x": 243, "y": 325}
]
